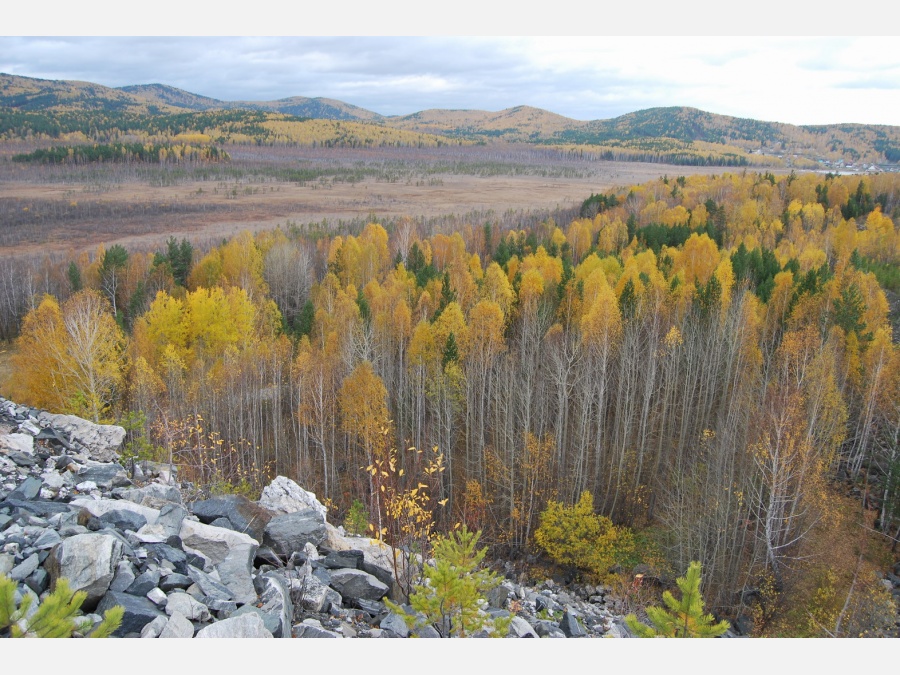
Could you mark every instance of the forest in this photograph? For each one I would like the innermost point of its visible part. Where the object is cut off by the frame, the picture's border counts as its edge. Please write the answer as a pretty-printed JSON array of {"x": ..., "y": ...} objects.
[{"x": 700, "y": 368}]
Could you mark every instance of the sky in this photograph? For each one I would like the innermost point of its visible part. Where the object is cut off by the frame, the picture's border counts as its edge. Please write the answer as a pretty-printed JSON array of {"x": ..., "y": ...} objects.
[{"x": 799, "y": 80}]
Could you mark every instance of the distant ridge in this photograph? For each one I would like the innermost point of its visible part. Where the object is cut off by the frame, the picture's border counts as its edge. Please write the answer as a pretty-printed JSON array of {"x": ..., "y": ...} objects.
[{"x": 664, "y": 133}]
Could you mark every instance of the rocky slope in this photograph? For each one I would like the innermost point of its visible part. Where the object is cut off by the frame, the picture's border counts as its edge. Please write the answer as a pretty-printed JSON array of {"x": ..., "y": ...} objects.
[{"x": 220, "y": 567}]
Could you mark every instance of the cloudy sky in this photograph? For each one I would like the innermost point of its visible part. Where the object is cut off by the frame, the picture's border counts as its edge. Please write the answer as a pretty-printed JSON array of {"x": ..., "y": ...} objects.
[{"x": 810, "y": 80}]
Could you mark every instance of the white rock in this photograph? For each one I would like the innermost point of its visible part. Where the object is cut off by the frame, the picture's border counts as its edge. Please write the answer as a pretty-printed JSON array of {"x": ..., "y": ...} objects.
[
  {"x": 184, "y": 604},
  {"x": 98, "y": 507},
  {"x": 102, "y": 441},
  {"x": 248, "y": 625},
  {"x": 178, "y": 627},
  {"x": 17, "y": 443},
  {"x": 157, "y": 597},
  {"x": 213, "y": 542},
  {"x": 154, "y": 628},
  {"x": 284, "y": 496}
]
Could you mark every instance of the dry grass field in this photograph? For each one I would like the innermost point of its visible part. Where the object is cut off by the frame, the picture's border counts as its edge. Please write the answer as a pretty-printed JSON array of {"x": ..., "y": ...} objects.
[{"x": 68, "y": 209}]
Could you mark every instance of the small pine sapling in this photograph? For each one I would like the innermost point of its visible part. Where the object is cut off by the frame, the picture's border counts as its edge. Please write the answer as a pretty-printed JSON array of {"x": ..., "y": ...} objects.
[
  {"x": 56, "y": 617},
  {"x": 684, "y": 618}
]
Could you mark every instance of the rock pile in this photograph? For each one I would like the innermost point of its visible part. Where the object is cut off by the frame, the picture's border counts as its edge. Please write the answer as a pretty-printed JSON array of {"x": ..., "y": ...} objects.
[{"x": 220, "y": 567}]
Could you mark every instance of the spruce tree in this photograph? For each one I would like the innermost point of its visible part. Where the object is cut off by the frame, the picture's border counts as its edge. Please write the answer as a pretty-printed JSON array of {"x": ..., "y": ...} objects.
[{"x": 683, "y": 618}]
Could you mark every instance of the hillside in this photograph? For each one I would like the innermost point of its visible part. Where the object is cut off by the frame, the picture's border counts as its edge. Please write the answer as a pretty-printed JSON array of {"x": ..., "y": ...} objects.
[{"x": 677, "y": 135}]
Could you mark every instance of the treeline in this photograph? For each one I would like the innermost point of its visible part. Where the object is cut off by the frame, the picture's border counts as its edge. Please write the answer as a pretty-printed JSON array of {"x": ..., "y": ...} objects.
[
  {"x": 719, "y": 390},
  {"x": 123, "y": 153}
]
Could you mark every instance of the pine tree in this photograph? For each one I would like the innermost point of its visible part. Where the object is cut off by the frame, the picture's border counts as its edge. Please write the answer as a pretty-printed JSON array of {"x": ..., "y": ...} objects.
[
  {"x": 452, "y": 595},
  {"x": 56, "y": 617},
  {"x": 685, "y": 617}
]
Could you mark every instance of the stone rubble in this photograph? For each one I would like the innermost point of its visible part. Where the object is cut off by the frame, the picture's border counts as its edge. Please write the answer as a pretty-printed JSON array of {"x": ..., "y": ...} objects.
[{"x": 221, "y": 567}]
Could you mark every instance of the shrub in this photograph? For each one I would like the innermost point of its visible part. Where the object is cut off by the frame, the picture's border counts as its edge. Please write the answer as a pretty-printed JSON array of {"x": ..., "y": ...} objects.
[{"x": 578, "y": 537}]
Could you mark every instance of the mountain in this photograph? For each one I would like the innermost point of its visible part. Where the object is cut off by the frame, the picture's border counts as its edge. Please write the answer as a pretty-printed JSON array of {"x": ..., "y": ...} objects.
[{"x": 675, "y": 134}]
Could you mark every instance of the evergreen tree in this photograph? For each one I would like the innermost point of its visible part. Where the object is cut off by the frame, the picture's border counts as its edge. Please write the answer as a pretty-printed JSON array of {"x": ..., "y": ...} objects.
[{"x": 683, "y": 618}]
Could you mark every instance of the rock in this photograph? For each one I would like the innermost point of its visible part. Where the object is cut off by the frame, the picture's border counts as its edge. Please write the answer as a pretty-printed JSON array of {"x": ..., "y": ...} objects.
[
  {"x": 310, "y": 594},
  {"x": 209, "y": 587},
  {"x": 236, "y": 573},
  {"x": 213, "y": 542},
  {"x": 186, "y": 606},
  {"x": 144, "y": 583},
  {"x": 570, "y": 627},
  {"x": 154, "y": 628},
  {"x": 395, "y": 623},
  {"x": 178, "y": 626},
  {"x": 23, "y": 459},
  {"x": 175, "y": 580},
  {"x": 170, "y": 518},
  {"x": 284, "y": 496},
  {"x": 106, "y": 475},
  {"x": 123, "y": 519},
  {"x": 17, "y": 443},
  {"x": 101, "y": 441},
  {"x": 378, "y": 557},
  {"x": 25, "y": 569},
  {"x": 123, "y": 578},
  {"x": 520, "y": 628},
  {"x": 291, "y": 532},
  {"x": 248, "y": 625},
  {"x": 356, "y": 584},
  {"x": 89, "y": 562},
  {"x": 138, "y": 611},
  {"x": 244, "y": 515},
  {"x": 272, "y": 622},
  {"x": 154, "y": 495},
  {"x": 426, "y": 632},
  {"x": 548, "y": 629},
  {"x": 275, "y": 598},
  {"x": 304, "y": 630},
  {"x": 157, "y": 597},
  {"x": 47, "y": 539},
  {"x": 163, "y": 552},
  {"x": 344, "y": 560},
  {"x": 28, "y": 490},
  {"x": 7, "y": 562},
  {"x": 498, "y": 596},
  {"x": 99, "y": 507}
]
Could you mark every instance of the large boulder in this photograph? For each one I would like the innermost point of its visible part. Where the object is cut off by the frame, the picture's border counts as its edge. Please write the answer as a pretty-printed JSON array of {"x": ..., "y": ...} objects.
[
  {"x": 215, "y": 543},
  {"x": 275, "y": 599},
  {"x": 244, "y": 515},
  {"x": 16, "y": 443},
  {"x": 106, "y": 475},
  {"x": 88, "y": 561},
  {"x": 100, "y": 507},
  {"x": 378, "y": 557},
  {"x": 292, "y": 531},
  {"x": 283, "y": 496},
  {"x": 101, "y": 442}
]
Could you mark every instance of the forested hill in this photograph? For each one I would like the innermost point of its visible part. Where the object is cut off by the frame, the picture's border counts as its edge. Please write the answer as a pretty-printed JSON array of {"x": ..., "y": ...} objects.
[{"x": 672, "y": 134}]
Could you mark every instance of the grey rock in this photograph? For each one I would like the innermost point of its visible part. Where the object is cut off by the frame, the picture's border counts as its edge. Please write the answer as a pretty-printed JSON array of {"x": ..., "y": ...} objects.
[
  {"x": 160, "y": 553},
  {"x": 101, "y": 441},
  {"x": 39, "y": 581},
  {"x": 144, "y": 583},
  {"x": 22, "y": 459},
  {"x": 395, "y": 623},
  {"x": 548, "y": 629},
  {"x": 47, "y": 539},
  {"x": 284, "y": 496},
  {"x": 245, "y": 626},
  {"x": 356, "y": 584},
  {"x": 178, "y": 626},
  {"x": 271, "y": 621},
  {"x": 170, "y": 518},
  {"x": 24, "y": 570},
  {"x": 154, "y": 628},
  {"x": 153, "y": 495},
  {"x": 344, "y": 560},
  {"x": 427, "y": 632},
  {"x": 88, "y": 561},
  {"x": 28, "y": 490},
  {"x": 123, "y": 578},
  {"x": 236, "y": 573},
  {"x": 175, "y": 580},
  {"x": 7, "y": 562},
  {"x": 105, "y": 475},
  {"x": 312, "y": 595},
  {"x": 138, "y": 611},
  {"x": 520, "y": 628},
  {"x": 291, "y": 532},
  {"x": 184, "y": 604},
  {"x": 275, "y": 598},
  {"x": 208, "y": 586},
  {"x": 123, "y": 519},
  {"x": 498, "y": 596},
  {"x": 305, "y": 630},
  {"x": 98, "y": 507},
  {"x": 570, "y": 627},
  {"x": 244, "y": 515}
]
